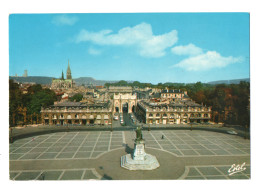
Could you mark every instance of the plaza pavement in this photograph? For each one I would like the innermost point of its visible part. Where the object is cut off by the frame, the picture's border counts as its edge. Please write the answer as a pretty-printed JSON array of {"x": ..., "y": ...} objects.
[{"x": 182, "y": 154}]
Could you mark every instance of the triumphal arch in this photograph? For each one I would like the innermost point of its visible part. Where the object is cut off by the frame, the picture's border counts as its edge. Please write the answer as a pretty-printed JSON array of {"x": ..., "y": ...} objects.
[{"x": 124, "y": 103}]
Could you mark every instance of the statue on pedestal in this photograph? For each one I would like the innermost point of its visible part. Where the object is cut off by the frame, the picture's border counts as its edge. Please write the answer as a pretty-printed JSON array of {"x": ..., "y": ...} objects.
[{"x": 140, "y": 160}]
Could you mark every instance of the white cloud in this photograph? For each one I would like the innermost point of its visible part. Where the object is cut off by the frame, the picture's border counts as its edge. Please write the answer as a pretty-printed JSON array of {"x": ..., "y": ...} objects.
[
  {"x": 190, "y": 49},
  {"x": 93, "y": 51},
  {"x": 207, "y": 61},
  {"x": 141, "y": 36},
  {"x": 64, "y": 20}
]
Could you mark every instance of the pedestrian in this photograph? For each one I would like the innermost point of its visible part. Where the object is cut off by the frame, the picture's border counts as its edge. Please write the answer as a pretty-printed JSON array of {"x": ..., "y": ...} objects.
[
  {"x": 32, "y": 138},
  {"x": 42, "y": 176},
  {"x": 162, "y": 136}
]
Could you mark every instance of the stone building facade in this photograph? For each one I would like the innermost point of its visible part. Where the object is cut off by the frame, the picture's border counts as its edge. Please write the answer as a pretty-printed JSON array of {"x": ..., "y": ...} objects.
[
  {"x": 77, "y": 113},
  {"x": 178, "y": 112}
]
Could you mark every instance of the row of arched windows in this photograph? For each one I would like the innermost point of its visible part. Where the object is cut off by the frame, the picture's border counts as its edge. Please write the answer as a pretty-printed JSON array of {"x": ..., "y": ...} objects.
[
  {"x": 180, "y": 109},
  {"x": 76, "y": 116},
  {"x": 185, "y": 115}
]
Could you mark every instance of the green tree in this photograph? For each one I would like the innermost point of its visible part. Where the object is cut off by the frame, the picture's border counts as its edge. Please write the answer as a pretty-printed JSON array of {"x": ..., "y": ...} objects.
[
  {"x": 34, "y": 88},
  {"x": 122, "y": 83},
  {"x": 77, "y": 97},
  {"x": 15, "y": 100},
  {"x": 42, "y": 98}
]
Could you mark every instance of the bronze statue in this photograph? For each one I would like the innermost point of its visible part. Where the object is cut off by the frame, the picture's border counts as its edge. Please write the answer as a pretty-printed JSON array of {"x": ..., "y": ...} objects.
[{"x": 139, "y": 135}]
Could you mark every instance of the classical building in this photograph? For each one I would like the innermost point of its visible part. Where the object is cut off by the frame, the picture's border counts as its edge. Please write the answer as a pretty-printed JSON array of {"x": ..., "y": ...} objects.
[
  {"x": 172, "y": 112},
  {"x": 77, "y": 113},
  {"x": 62, "y": 83}
]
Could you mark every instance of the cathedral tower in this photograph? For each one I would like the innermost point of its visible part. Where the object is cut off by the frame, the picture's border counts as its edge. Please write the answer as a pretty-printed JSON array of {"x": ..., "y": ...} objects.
[{"x": 69, "y": 71}]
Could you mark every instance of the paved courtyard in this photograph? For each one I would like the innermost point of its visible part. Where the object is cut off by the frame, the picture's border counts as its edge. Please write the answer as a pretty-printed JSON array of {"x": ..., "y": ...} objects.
[
  {"x": 96, "y": 155},
  {"x": 73, "y": 145}
]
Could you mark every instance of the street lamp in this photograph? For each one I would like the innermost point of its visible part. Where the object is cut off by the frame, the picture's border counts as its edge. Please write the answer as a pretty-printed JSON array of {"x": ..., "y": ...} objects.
[
  {"x": 111, "y": 123},
  {"x": 11, "y": 134},
  {"x": 245, "y": 137}
]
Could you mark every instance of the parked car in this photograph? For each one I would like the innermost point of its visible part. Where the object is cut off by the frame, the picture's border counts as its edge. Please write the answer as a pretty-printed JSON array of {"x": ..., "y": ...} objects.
[
  {"x": 232, "y": 132},
  {"x": 115, "y": 117}
]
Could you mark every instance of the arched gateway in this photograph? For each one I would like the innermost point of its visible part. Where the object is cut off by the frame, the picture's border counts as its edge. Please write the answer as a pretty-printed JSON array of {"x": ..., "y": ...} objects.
[{"x": 124, "y": 103}]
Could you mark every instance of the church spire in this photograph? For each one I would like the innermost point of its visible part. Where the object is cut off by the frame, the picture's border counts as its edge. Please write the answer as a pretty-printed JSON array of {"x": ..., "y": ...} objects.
[
  {"x": 62, "y": 75},
  {"x": 69, "y": 71}
]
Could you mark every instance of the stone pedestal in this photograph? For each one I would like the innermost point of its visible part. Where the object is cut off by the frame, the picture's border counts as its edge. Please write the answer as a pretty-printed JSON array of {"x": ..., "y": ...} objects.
[
  {"x": 139, "y": 160},
  {"x": 139, "y": 153}
]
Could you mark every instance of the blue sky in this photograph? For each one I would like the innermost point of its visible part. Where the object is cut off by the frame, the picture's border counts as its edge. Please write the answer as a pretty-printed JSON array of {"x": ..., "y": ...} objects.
[{"x": 147, "y": 47}]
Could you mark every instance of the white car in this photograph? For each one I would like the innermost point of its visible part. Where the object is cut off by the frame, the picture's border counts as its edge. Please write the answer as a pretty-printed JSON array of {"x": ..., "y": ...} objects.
[
  {"x": 115, "y": 117},
  {"x": 232, "y": 132}
]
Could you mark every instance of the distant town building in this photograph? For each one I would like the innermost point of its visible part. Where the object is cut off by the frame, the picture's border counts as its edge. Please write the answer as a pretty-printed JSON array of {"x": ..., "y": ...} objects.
[
  {"x": 25, "y": 73},
  {"x": 173, "y": 94},
  {"x": 143, "y": 94},
  {"x": 62, "y": 83}
]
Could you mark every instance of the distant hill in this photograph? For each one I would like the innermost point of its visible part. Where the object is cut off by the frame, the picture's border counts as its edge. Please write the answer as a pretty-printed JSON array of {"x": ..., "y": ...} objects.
[
  {"x": 48, "y": 80},
  {"x": 35, "y": 79},
  {"x": 91, "y": 81},
  {"x": 235, "y": 81}
]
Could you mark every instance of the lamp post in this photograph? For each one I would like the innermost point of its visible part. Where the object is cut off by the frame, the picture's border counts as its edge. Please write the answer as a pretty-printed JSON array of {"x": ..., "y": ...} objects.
[
  {"x": 245, "y": 136},
  {"x": 11, "y": 134},
  {"x": 111, "y": 123}
]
